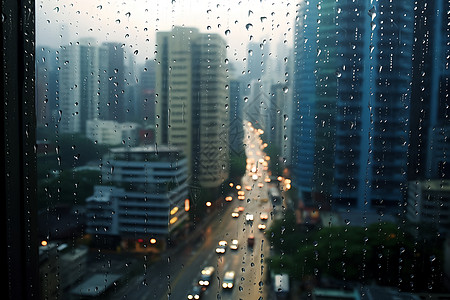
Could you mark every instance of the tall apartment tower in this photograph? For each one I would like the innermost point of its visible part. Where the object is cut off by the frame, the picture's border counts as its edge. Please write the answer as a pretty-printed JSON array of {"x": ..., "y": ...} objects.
[
  {"x": 78, "y": 85},
  {"x": 192, "y": 101},
  {"x": 89, "y": 76},
  {"x": 351, "y": 96},
  {"x": 69, "y": 91},
  {"x": 112, "y": 82}
]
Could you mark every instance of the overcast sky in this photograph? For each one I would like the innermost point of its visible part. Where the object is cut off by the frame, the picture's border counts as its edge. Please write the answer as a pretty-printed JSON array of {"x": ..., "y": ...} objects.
[{"x": 135, "y": 23}]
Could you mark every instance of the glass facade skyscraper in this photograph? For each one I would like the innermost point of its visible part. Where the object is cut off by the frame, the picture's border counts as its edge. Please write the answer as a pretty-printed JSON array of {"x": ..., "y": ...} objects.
[{"x": 350, "y": 124}]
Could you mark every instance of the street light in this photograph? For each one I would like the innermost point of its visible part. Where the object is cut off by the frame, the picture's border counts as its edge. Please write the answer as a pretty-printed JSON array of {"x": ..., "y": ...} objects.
[{"x": 208, "y": 203}]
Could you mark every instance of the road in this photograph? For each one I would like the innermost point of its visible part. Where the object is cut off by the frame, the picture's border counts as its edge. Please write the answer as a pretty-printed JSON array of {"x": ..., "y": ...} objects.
[{"x": 174, "y": 277}]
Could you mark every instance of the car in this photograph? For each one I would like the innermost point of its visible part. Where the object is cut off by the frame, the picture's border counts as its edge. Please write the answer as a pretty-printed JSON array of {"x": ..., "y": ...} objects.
[
  {"x": 228, "y": 280},
  {"x": 195, "y": 293},
  {"x": 248, "y": 188},
  {"x": 205, "y": 276},
  {"x": 260, "y": 185},
  {"x": 234, "y": 244},
  {"x": 221, "y": 250},
  {"x": 261, "y": 226},
  {"x": 235, "y": 214},
  {"x": 263, "y": 216},
  {"x": 228, "y": 198},
  {"x": 249, "y": 217},
  {"x": 251, "y": 241},
  {"x": 240, "y": 208},
  {"x": 222, "y": 247},
  {"x": 255, "y": 177}
]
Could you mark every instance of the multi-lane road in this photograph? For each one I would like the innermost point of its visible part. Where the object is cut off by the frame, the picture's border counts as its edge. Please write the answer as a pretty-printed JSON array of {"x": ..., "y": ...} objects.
[{"x": 174, "y": 277}]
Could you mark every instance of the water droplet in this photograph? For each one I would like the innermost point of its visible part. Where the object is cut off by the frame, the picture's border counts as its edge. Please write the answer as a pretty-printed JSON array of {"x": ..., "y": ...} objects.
[
  {"x": 372, "y": 13},
  {"x": 249, "y": 26},
  {"x": 227, "y": 32}
]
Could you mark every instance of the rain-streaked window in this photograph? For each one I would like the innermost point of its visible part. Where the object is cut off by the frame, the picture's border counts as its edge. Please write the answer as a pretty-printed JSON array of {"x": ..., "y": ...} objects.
[{"x": 240, "y": 149}]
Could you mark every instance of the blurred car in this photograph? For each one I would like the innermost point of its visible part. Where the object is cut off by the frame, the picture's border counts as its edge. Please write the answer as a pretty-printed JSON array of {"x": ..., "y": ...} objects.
[
  {"x": 234, "y": 245},
  {"x": 205, "y": 276},
  {"x": 263, "y": 216},
  {"x": 262, "y": 226},
  {"x": 249, "y": 218},
  {"x": 228, "y": 198},
  {"x": 248, "y": 188},
  {"x": 240, "y": 208},
  {"x": 222, "y": 248},
  {"x": 228, "y": 280},
  {"x": 235, "y": 214},
  {"x": 195, "y": 293},
  {"x": 251, "y": 241},
  {"x": 260, "y": 184}
]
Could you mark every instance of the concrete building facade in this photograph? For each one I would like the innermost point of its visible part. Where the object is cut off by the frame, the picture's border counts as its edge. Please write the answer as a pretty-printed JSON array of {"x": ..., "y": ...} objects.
[{"x": 143, "y": 194}]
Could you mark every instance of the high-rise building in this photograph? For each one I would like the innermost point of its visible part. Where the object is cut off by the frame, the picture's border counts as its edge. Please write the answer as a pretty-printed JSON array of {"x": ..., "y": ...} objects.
[
  {"x": 112, "y": 82},
  {"x": 274, "y": 128},
  {"x": 428, "y": 151},
  {"x": 352, "y": 83},
  {"x": 89, "y": 76},
  {"x": 78, "y": 85},
  {"x": 236, "y": 130},
  {"x": 69, "y": 89},
  {"x": 390, "y": 92},
  {"x": 145, "y": 106},
  {"x": 351, "y": 96},
  {"x": 46, "y": 86},
  {"x": 304, "y": 96},
  {"x": 192, "y": 101}
]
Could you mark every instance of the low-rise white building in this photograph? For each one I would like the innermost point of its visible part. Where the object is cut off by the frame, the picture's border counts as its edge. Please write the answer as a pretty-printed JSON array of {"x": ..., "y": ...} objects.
[
  {"x": 429, "y": 202},
  {"x": 143, "y": 194}
]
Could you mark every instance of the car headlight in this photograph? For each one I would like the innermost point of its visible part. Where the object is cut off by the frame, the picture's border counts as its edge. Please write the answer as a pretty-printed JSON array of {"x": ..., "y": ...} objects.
[
  {"x": 230, "y": 285},
  {"x": 224, "y": 285},
  {"x": 197, "y": 297},
  {"x": 190, "y": 297},
  {"x": 206, "y": 282}
]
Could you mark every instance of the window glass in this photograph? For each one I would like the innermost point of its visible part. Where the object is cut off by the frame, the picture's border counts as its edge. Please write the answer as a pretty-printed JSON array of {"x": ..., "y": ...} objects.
[{"x": 243, "y": 149}]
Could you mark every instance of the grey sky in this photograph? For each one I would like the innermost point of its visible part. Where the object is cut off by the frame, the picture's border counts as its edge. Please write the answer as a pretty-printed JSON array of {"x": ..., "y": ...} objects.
[{"x": 135, "y": 23}]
